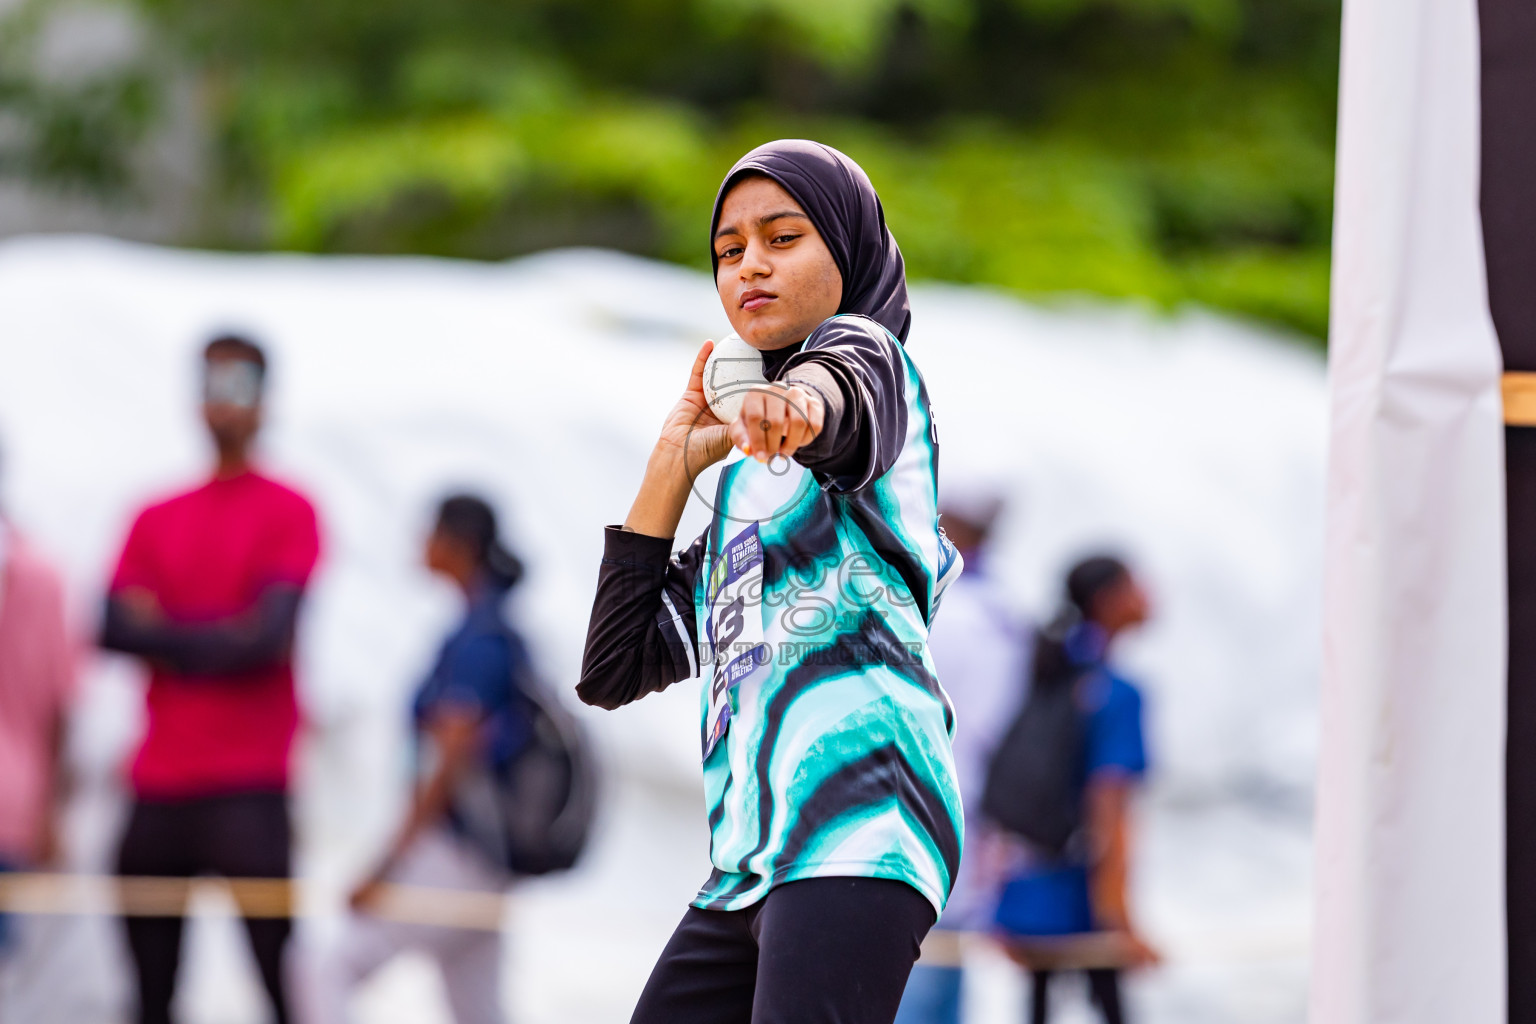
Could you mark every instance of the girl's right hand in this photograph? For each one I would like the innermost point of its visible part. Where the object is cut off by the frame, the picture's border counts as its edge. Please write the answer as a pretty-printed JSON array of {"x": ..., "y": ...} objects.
[
  {"x": 691, "y": 440},
  {"x": 692, "y": 433}
]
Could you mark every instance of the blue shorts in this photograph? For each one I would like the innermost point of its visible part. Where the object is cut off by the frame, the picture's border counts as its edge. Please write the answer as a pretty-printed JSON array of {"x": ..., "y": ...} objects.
[
  {"x": 5, "y": 921},
  {"x": 1046, "y": 901}
]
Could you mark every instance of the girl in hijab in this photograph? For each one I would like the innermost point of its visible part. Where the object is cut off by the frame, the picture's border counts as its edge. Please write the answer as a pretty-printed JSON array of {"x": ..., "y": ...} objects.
[{"x": 834, "y": 817}]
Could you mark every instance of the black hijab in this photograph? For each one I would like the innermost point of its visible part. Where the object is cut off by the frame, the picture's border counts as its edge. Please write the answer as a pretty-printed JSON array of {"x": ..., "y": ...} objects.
[{"x": 838, "y": 197}]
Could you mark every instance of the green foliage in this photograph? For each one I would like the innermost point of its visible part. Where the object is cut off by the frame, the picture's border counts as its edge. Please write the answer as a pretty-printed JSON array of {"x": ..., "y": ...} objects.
[
  {"x": 843, "y": 32},
  {"x": 71, "y": 130},
  {"x": 1179, "y": 150}
]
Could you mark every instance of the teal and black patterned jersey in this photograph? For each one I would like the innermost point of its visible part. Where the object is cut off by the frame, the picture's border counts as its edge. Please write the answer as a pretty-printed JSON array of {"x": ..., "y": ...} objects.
[{"x": 805, "y": 607}]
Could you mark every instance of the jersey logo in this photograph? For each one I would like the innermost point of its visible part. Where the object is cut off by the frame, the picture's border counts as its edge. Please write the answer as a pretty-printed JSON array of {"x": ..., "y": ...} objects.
[{"x": 735, "y": 630}]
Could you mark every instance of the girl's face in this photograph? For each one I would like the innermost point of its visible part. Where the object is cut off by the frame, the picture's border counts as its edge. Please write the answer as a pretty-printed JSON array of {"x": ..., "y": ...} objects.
[
  {"x": 1122, "y": 605},
  {"x": 776, "y": 277},
  {"x": 447, "y": 555}
]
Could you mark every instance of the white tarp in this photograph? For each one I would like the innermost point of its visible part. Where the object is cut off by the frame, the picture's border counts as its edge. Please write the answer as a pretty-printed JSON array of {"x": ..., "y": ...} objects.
[{"x": 1410, "y": 865}]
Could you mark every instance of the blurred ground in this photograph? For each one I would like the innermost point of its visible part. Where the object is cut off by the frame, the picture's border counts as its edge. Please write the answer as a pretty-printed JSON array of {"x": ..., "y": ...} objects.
[{"x": 1224, "y": 889}]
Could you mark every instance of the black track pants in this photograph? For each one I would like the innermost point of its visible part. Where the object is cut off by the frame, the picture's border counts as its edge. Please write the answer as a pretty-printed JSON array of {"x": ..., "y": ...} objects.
[
  {"x": 1103, "y": 989},
  {"x": 243, "y": 836},
  {"x": 818, "y": 951}
]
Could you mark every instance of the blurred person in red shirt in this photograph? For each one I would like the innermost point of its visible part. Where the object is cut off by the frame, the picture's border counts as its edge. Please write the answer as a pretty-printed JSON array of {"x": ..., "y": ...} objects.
[
  {"x": 37, "y": 684},
  {"x": 207, "y": 592}
]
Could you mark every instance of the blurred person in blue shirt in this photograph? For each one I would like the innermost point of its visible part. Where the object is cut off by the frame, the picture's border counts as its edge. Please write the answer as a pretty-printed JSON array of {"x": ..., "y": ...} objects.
[
  {"x": 471, "y": 713},
  {"x": 981, "y": 649},
  {"x": 1084, "y": 890}
]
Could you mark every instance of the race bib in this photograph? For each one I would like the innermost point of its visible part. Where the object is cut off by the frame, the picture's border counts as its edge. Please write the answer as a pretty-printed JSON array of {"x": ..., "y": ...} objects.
[{"x": 735, "y": 630}]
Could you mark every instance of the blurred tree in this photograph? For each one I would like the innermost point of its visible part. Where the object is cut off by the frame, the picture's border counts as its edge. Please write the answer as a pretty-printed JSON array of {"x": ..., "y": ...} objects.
[
  {"x": 71, "y": 127},
  {"x": 1179, "y": 150}
]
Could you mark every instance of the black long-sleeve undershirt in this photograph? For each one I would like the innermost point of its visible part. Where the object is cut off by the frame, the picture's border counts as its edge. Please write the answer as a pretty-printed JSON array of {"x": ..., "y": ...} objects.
[
  {"x": 860, "y": 374},
  {"x": 642, "y": 636},
  {"x": 256, "y": 640}
]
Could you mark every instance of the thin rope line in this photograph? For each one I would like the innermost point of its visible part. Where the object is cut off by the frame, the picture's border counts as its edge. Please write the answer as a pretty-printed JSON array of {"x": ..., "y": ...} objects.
[{"x": 120, "y": 896}]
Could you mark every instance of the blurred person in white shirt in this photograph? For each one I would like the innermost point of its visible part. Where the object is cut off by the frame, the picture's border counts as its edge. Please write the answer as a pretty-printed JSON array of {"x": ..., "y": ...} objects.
[{"x": 981, "y": 648}]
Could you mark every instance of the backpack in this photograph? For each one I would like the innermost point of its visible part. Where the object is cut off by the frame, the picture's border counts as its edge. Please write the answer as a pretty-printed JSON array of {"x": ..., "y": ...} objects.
[
  {"x": 533, "y": 814},
  {"x": 1034, "y": 784}
]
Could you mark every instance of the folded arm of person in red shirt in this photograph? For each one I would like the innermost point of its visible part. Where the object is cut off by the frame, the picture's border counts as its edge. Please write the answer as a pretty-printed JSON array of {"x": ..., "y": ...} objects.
[{"x": 255, "y": 639}]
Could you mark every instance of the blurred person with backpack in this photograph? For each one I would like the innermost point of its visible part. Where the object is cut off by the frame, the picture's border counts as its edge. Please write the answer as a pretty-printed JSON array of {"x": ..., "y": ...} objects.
[
  {"x": 207, "y": 593},
  {"x": 1062, "y": 781},
  {"x": 503, "y": 789},
  {"x": 981, "y": 649}
]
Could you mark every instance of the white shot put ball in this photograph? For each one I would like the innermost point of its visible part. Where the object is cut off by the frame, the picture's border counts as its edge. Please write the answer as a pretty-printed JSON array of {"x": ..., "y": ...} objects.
[{"x": 729, "y": 374}]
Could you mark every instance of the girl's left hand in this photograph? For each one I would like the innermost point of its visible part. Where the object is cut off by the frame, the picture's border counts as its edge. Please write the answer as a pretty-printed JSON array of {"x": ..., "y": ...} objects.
[{"x": 777, "y": 419}]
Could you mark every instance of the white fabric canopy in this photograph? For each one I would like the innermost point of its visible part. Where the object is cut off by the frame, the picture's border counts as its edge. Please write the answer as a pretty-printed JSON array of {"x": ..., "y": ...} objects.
[{"x": 1410, "y": 842}]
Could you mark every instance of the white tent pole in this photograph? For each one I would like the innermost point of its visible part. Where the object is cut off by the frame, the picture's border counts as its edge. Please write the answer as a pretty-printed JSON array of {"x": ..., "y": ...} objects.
[{"x": 1409, "y": 915}]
